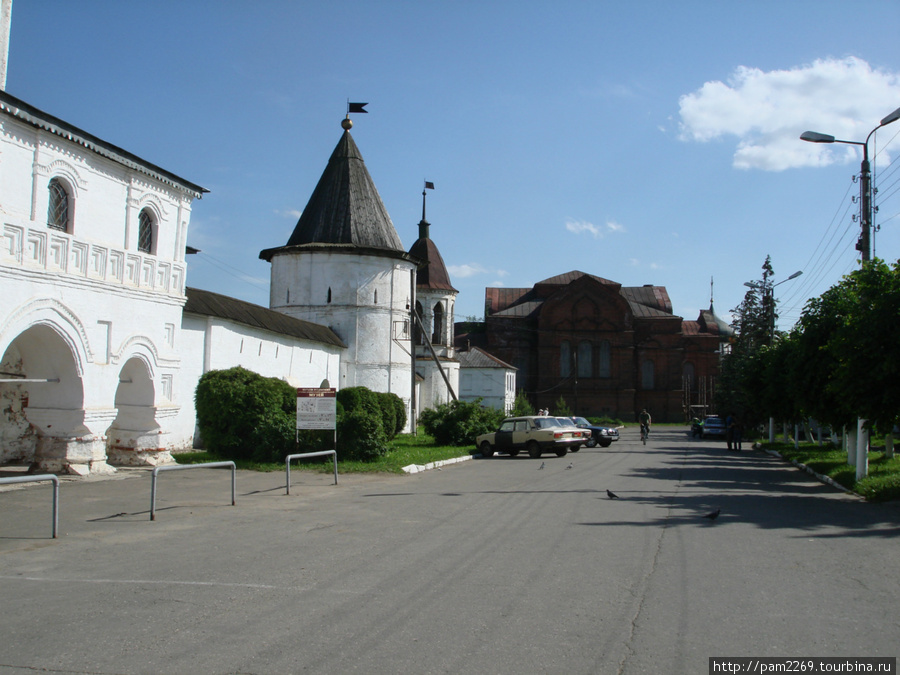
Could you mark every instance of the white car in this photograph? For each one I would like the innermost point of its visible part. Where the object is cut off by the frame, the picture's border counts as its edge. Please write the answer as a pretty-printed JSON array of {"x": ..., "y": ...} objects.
[{"x": 533, "y": 433}]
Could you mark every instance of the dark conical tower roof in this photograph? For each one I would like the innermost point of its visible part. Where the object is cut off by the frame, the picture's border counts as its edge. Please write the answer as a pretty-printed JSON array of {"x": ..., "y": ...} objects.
[
  {"x": 432, "y": 273},
  {"x": 345, "y": 207}
]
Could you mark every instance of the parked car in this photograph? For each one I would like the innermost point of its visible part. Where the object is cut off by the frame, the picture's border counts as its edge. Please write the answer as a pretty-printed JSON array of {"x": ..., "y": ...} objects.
[
  {"x": 600, "y": 435},
  {"x": 713, "y": 426},
  {"x": 534, "y": 433},
  {"x": 567, "y": 422}
]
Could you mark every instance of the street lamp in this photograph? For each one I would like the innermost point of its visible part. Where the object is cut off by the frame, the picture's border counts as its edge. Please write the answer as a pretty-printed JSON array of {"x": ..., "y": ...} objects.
[
  {"x": 865, "y": 191},
  {"x": 768, "y": 289}
]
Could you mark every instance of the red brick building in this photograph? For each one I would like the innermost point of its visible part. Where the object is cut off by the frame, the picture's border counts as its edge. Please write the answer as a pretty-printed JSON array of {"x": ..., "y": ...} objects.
[{"x": 605, "y": 348}]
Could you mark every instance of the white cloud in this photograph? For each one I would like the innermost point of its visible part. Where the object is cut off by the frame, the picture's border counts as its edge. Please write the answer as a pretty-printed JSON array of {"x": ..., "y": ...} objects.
[
  {"x": 580, "y": 226},
  {"x": 471, "y": 270},
  {"x": 289, "y": 213},
  {"x": 767, "y": 111}
]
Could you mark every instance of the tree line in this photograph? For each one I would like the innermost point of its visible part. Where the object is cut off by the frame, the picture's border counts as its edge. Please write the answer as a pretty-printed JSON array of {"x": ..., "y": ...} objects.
[{"x": 840, "y": 363}]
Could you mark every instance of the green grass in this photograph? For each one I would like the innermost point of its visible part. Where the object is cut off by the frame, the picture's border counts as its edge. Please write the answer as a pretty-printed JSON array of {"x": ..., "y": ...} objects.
[
  {"x": 405, "y": 450},
  {"x": 881, "y": 484}
]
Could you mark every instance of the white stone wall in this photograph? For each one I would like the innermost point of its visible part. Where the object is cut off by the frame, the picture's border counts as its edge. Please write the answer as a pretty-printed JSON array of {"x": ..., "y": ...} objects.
[{"x": 219, "y": 344}]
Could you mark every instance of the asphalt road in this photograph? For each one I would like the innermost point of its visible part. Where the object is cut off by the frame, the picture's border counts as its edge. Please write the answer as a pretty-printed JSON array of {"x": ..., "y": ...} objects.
[{"x": 486, "y": 566}]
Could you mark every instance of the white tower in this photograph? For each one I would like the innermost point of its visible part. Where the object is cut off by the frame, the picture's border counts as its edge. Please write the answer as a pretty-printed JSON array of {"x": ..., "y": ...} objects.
[{"x": 345, "y": 267}]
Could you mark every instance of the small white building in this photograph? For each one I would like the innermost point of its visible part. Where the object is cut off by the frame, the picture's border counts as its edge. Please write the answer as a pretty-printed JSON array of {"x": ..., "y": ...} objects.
[{"x": 487, "y": 377}]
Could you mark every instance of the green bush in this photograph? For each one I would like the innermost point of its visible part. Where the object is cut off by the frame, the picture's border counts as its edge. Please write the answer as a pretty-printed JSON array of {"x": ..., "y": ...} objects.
[
  {"x": 243, "y": 415},
  {"x": 390, "y": 408},
  {"x": 360, "y": 436},
  {"x": 459, "y": 422}
]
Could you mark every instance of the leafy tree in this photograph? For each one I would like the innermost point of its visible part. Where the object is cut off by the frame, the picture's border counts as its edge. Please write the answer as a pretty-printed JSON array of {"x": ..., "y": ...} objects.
[
  {"x": 561, "y": 408},
  {"x": 522, "y": 406},
  {"x": 865, "y": 343}
]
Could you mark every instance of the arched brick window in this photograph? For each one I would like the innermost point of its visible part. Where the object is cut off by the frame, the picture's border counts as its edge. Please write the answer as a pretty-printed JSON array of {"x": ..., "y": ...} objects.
[
  {"x": 565, "y": 358},
  {"x": 648, "y": 375},
  {"x": 604, "y": 368},
  {"x": 585, "y": 359}
]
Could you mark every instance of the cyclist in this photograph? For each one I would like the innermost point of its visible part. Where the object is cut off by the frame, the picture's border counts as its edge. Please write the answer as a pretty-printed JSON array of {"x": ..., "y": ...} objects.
[{"x": 645, "y": 423}]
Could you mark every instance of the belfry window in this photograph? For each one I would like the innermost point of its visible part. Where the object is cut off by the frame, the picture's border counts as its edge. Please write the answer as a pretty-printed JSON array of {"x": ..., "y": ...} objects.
[{"x": 58, "y": 210}]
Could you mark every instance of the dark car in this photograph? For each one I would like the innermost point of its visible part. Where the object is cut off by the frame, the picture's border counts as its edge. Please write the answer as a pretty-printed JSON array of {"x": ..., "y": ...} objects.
[
  {"x": 600, "y": 435},
  {"x": 713, "y": 426}
]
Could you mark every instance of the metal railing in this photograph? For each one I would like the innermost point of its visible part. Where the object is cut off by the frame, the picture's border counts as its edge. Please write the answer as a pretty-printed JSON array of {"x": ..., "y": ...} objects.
[
  {"x": 39, "y": 479},
  {"x": 182, "y": 467},
  {"x": 287, "y": 464}
]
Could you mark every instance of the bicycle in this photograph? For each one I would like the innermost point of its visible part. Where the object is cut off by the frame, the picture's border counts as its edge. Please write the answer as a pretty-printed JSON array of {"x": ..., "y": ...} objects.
[{"x": 645, "y": 432}]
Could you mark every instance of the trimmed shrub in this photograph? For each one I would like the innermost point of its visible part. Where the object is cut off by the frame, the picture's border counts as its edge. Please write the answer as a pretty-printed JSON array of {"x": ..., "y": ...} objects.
[
  {"x": 459, "y": 422},
  {"x": 361, "y": 436},
  {"x": 243, "y": 415}
]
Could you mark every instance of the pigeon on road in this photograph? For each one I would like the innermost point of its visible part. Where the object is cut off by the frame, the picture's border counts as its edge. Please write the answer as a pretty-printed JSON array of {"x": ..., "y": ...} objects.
[
  {"x": 712, "y": 515},
  {"x": 541, "y": 466},
  {"x": 611, "y": 494},
  {"x": 571, "y": 464}
]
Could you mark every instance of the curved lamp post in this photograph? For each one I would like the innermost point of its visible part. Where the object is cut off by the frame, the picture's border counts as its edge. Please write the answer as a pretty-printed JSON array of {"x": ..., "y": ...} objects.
[
  {"x": 768, "y": 289},
  {"x": 865, "y": 176}
]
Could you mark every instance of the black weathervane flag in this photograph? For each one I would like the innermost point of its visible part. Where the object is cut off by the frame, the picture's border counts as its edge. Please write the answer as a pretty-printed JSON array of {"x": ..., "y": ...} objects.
[{"x": 356, "y": 108}]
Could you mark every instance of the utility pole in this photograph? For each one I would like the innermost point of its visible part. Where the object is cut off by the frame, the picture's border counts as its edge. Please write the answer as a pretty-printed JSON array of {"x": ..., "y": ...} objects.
[{"x": 866, "y": 208}]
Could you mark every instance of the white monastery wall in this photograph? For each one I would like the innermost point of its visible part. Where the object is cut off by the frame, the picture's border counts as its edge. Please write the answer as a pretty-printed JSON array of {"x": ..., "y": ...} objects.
[{"x": 219, "y": 344}]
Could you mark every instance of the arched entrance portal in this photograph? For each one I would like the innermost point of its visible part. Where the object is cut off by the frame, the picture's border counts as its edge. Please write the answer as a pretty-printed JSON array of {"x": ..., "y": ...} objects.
[
  {"x": 45, "y": 423},
  {"x": 135, "y": 437}
]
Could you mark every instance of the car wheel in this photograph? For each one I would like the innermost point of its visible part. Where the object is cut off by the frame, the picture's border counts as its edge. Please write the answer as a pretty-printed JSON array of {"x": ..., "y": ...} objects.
[
  {"x": 486, "y": 449},
  {"x": 575, "y": 449},
  {"x": 605, "y": 444},
  {"x": 561, "y": 452},
  {"x": 592, "y": 442},
  {"x": 534, "y": 450},
  {"x": 513, "y": 453}
]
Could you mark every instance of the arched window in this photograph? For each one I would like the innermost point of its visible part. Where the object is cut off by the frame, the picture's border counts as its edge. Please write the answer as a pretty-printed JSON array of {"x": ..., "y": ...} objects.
[
  {"x": 565, "y": 359},
  {"x": 58, "y": 209},
  {"x": 687, "y": 374},
  {"x": 648, "y": 375},
  {"x": 437, "y": 337},
  {"x": 605, "y": 365},
  {"x": 585, "y": 359},
  {"x": 145, "y": 232}
]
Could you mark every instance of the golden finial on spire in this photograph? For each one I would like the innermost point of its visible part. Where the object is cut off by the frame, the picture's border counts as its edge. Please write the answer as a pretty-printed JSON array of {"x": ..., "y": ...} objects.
[{"x": 346, "y": 123}]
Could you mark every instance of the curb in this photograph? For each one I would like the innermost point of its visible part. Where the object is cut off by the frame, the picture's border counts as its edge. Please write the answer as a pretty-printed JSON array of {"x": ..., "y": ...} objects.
[
  {"x": 418, "y": 468},
  {"x": 822, "y": 478}
]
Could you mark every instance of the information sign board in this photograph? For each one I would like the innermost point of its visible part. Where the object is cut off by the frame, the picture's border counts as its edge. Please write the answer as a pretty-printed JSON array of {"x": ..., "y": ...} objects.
[{"x": 316, "y": 408}]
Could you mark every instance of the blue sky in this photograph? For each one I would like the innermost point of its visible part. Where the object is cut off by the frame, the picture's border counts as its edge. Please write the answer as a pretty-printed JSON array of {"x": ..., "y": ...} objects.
[{"x": 644, "y": 142}]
